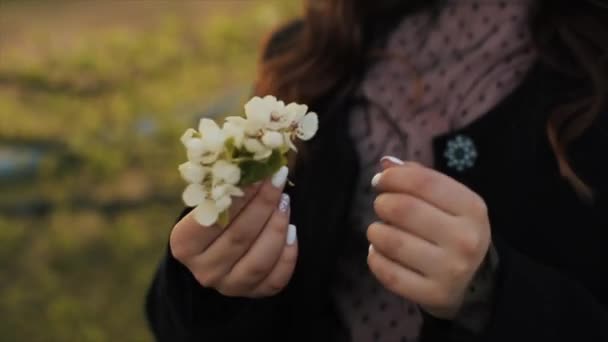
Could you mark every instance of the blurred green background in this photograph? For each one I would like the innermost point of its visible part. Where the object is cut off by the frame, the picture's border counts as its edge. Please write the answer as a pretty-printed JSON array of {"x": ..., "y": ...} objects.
[{"x": 94, "y": 95}]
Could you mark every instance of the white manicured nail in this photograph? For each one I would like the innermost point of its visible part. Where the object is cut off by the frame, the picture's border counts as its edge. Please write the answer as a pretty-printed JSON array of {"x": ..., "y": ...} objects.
[
  {"x": 393, "y": 160},
  {"x": 284, "y": 203},
  {"x": 280, "y": 177},
  {"x": 376, "y": 179},
  {"x": 371, "y": 248},
  {"x": 291, "y": 234}
]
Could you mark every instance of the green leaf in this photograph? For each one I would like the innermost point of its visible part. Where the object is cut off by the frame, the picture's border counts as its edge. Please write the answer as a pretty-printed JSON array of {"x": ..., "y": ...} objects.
[
  {"x": 275, "y": 161},
  {"x": 256, "y": 170},
  {"x": 223, "y": 219},
  {"x": 242, "y": 153},
  {"x": 229, "y": 148},
  {"x": 284, "y": 149}
]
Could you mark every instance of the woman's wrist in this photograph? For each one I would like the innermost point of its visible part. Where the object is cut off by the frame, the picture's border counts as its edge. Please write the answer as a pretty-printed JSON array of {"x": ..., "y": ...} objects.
[{"x": 475, "y": 309}]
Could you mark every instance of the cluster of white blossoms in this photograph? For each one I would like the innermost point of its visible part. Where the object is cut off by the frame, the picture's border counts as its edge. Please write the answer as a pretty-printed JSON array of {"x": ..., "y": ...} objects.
[{"x": 244, "y": 150}]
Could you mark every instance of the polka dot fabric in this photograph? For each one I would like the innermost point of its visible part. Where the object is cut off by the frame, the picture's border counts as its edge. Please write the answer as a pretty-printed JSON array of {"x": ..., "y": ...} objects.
[{"x": 438, "y": 74}]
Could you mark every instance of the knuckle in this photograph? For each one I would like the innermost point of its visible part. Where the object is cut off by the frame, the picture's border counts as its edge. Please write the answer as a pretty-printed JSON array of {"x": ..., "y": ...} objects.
[
  {"x": 262, "y": 293},
  {"x": 378, "y": 203},
  {"x": 178, "y": 248},
  {"x": 289, "y": 259},
  {"x": 267, "y": 196},
  {"x": 438, "y": 295},
  {"x": 479, "y": 206},
  {"x": 395, "y": 209},
  {"x": 387, "y": 207},
  {"x": 471, "y": 244},
  {"x": 257, "y": 294},
  {"x": 274, "y": 292},
  {"x": 390, "y": 173},
  {"x": 394, "y": 243},
  {"x": 275, "y": 287},
  {"x": 405, "y": 209},
  {"x": 206, "y": 279},
  {"x": 228, "y": 291},
  {"x": 457, "y": 269},
  {"x": 242, "y": 238},
  {"x": 255, "y": 272},
  {"x": 279, "y": 224},
  {"x": 391, "y": 279},
  {"x": 373, "y": 232},
  {"x": 421, "y": 181},
  {"x": 179, "y": 252},
  {"x": 238, "y": 240}
]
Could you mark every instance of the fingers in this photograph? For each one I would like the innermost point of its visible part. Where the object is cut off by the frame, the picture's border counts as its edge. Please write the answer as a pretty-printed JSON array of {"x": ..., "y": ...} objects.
[
  {"x": 398, "y": 279},
  {"x": 415, "y": 216},
  {"x": 429, "y": 185},
  {"x": 283, "y": 269},
  {"x": 261, "y": 258},
  {"x": 189, "y": 238},
  {"x": 405, "y": 249},
  {"x": 219, "y": 258}
]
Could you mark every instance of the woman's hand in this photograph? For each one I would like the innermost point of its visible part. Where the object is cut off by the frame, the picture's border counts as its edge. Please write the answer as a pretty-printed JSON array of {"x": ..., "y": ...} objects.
[
  {"x": 254, "y": 256},
  {"x": 434, "y": 235}
]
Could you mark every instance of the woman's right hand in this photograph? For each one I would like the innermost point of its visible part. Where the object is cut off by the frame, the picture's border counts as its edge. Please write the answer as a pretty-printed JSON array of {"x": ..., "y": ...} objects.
[{"x": 254, "y": 256}]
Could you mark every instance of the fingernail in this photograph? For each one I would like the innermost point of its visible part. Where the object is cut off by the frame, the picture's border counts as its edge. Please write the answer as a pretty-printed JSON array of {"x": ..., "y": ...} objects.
[
  {"x": 376, "y": 179},
  {"x": 284, "y": 203},
  {"x": 393, "y": 160},
  {"x": 291, "y": 234},
  {"x": 280, "y": 177},
  {"x": 371, "y": 249}
]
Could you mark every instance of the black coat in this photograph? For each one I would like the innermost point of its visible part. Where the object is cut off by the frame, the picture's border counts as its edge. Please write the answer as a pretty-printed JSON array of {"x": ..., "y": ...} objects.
[{"x": 552, "y": 282}]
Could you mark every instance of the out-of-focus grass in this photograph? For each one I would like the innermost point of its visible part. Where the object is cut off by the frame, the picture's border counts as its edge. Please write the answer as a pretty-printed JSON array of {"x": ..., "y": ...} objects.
[{"x": 107, "y": 112}]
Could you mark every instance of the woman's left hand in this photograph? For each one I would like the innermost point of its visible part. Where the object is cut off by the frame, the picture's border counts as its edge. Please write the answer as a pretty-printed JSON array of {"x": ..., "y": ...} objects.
[{"x": 434, "y": 235}]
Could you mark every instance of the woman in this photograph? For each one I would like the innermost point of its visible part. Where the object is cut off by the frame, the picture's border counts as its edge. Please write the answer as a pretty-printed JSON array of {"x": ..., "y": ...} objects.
[{"x": 494, "y": 230}]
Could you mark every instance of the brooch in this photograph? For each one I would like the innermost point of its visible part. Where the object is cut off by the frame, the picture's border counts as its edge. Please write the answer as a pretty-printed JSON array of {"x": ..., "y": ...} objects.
[{"x": 460, "y": 153}]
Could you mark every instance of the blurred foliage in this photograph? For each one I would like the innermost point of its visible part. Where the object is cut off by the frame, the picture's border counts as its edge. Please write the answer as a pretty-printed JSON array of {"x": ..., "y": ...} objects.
[{"x": 108, "y": 111}]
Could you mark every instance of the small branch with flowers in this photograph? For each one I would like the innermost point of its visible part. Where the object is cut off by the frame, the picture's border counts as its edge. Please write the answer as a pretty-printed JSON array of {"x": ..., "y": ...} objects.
[{"x": 245, "y": 150}]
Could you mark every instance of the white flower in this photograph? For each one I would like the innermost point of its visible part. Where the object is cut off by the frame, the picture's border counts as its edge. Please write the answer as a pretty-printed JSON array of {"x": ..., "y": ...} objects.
[
  {"x": 282, "y": 117},
  {"x": 269, "y": 125},
  {"x": 268, "y": 113},
  {"x": 192, "y": 173},
  {"x": 222, "y": 204},
  {"x": 290, "y": 144},
  {"x": 211, "y": 133},
  {"x": 307, "y": 126},
  {"x": 208, "y": 210},
  {"x": 259, "y": 150},
  {"x": 194, "y": 195},
  {"x": 224, "y": 190},
  {"x": 207, "y": 213},
  {"x": 297, "y": 111},
  {"x": 193, "y": 143},
  {"x": 205, "y": 145},
  {"x": 225, "y": 172},
  {"x": 209, "y": 205},
  {"x": 235, "y": 127},
  {"x": 272, "y": 139}
]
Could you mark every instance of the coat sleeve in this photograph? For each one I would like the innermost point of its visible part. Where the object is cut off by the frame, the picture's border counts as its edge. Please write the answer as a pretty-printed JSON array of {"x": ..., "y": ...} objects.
[
  {"x": 534, "y": 302},
  {"x": 531, "y": 302},
  {"x": 538, "y": 303}
]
